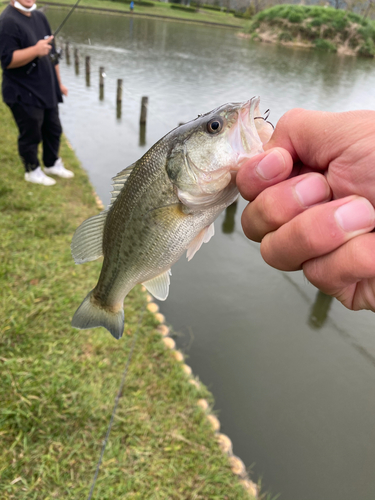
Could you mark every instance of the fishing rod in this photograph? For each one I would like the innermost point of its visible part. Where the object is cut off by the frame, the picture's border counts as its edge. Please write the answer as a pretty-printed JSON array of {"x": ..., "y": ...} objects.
[
  {"x": 57, "y": 55},
  {"x": 66, "y": 18}
]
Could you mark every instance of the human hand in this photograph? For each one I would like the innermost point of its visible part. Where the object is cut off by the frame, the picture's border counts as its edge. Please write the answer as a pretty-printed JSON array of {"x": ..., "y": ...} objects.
[
  {"x": 63, "y": 89},
  {"x": 306, "y": 220},
  {"x": 43, "y": 47}
]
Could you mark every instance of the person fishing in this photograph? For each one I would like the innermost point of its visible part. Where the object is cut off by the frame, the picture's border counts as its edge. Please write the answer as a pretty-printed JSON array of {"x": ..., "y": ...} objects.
[{"x": 32, "y": 88}]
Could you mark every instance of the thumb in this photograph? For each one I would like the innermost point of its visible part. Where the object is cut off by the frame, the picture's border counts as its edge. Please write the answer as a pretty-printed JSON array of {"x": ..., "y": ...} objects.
[{"x": 262, "y": 171}]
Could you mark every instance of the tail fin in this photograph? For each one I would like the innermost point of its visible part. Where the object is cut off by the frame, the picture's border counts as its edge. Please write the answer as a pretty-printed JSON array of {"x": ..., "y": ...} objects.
[{"x": 90, "y": 315}]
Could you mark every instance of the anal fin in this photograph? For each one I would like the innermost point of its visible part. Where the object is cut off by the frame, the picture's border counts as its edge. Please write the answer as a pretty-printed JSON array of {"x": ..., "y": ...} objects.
[{"x": 159, "y": 286}]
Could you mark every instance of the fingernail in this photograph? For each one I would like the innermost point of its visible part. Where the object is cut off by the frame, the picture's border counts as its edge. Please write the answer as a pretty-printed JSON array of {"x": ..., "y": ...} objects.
[
  {"x": 312, "y": 190},
  {"x": 355, "y": 215},
  {"x": 271, "y": 165}
]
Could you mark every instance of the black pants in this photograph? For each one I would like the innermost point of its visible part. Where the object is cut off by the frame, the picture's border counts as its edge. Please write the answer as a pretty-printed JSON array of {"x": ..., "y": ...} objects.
[{"x": 37, "y": 125}]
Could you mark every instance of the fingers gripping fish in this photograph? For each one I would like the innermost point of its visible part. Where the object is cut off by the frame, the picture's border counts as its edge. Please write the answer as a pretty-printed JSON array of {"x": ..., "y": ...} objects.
[{"x": 164, "y": 204}]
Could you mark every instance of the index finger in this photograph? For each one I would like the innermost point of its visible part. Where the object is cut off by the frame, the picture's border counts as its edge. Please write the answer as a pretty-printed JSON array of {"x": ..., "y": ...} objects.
[{"x": 318, "y": 137}]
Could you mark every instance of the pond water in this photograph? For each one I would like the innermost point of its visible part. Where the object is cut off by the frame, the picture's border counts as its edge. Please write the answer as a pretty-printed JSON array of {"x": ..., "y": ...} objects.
[{"x": 293, "y": 373}]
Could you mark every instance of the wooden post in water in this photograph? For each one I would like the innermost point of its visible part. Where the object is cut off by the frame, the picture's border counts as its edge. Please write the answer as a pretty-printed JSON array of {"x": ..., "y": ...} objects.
[
  {"x": 67, "y": 53},
  {"x": 101, "y": 83},
  {"x": 319, "y": 311},
  {"x": 229, "y": 221},
  {"x": 76, "y": 60},
  {"x": 144, "y": 106},
  {"x": 142, "y": 134},
  {"x": 119, "y": 98},
  {"x": 87, "y": 65},
  {"x": 142, "y": 121},
  {"x": 119, "y": 90}
]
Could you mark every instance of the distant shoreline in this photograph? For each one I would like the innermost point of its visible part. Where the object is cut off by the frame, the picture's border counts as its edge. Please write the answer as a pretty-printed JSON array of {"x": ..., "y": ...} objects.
[
  {"x": 136, "y": 13},
  {"x": 265, "y": 38},
  {"x": 321, "y": 28}
]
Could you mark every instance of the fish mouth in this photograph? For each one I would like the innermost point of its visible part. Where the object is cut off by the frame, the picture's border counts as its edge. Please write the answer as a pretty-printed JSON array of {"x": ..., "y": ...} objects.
[{"x": 249, "y": 133}]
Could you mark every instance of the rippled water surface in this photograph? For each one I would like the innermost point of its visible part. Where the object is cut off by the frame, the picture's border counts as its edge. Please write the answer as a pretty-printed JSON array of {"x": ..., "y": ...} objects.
[{"x": 293, "y": 374}]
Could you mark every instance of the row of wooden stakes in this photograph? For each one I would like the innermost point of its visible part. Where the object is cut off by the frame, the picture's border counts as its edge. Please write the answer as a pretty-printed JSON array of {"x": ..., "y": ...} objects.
[{"x": 144, "y": 101}]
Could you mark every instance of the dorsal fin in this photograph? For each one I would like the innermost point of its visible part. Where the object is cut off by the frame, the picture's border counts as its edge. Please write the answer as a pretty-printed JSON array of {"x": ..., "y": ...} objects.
[{"x": 119, "y": 182}]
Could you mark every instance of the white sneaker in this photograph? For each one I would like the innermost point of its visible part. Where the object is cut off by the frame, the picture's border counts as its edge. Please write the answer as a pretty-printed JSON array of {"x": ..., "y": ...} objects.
[
  {"x": 39, "y": 177},
  {"x": 59, "y": 169}
]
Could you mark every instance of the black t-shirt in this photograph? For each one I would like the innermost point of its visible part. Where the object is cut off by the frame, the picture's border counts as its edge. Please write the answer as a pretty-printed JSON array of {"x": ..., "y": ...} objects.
[{"x": 36, "y": 86}]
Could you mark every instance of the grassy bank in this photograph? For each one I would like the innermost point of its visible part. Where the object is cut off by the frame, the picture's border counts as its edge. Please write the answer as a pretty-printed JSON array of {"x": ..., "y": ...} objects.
[
  {"x": 58, "y": 384},
  {"x": 323, "y": 28},
  {"x": 161, "y": 10}
]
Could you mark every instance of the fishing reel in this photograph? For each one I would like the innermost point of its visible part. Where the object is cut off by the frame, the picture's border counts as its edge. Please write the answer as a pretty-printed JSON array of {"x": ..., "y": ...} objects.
[{"x": 56, "y": 56}]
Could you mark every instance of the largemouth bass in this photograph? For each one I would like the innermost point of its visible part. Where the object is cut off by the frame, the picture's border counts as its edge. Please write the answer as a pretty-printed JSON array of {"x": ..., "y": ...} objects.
[{"x": 164, "y": 204}]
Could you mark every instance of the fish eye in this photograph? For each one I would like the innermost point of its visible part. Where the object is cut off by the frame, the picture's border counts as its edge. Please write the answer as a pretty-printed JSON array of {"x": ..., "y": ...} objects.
[{"x": 215, "y": 125}]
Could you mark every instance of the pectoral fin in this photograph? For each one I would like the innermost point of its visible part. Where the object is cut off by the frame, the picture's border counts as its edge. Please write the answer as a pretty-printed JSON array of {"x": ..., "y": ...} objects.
[
  {"x": 87, "y": 243},
  {"x": 159, "y": 286},
  {"x": 203, "y": 237}
]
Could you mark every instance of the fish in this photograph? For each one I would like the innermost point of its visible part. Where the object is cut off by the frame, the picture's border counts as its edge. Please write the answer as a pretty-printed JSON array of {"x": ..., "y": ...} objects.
[{"x": 163, "y": 205}]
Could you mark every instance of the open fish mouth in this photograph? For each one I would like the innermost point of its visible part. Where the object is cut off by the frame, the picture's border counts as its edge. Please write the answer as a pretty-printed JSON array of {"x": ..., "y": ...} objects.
[{"x": 251, "y": 131}]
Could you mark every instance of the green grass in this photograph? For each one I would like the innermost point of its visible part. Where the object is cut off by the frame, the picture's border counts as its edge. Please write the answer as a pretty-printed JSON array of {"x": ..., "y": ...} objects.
[
  {"x": 162, "y": 9},
  {"x": 325, "y": 28},
  {"x": 58, "y": 384}
]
